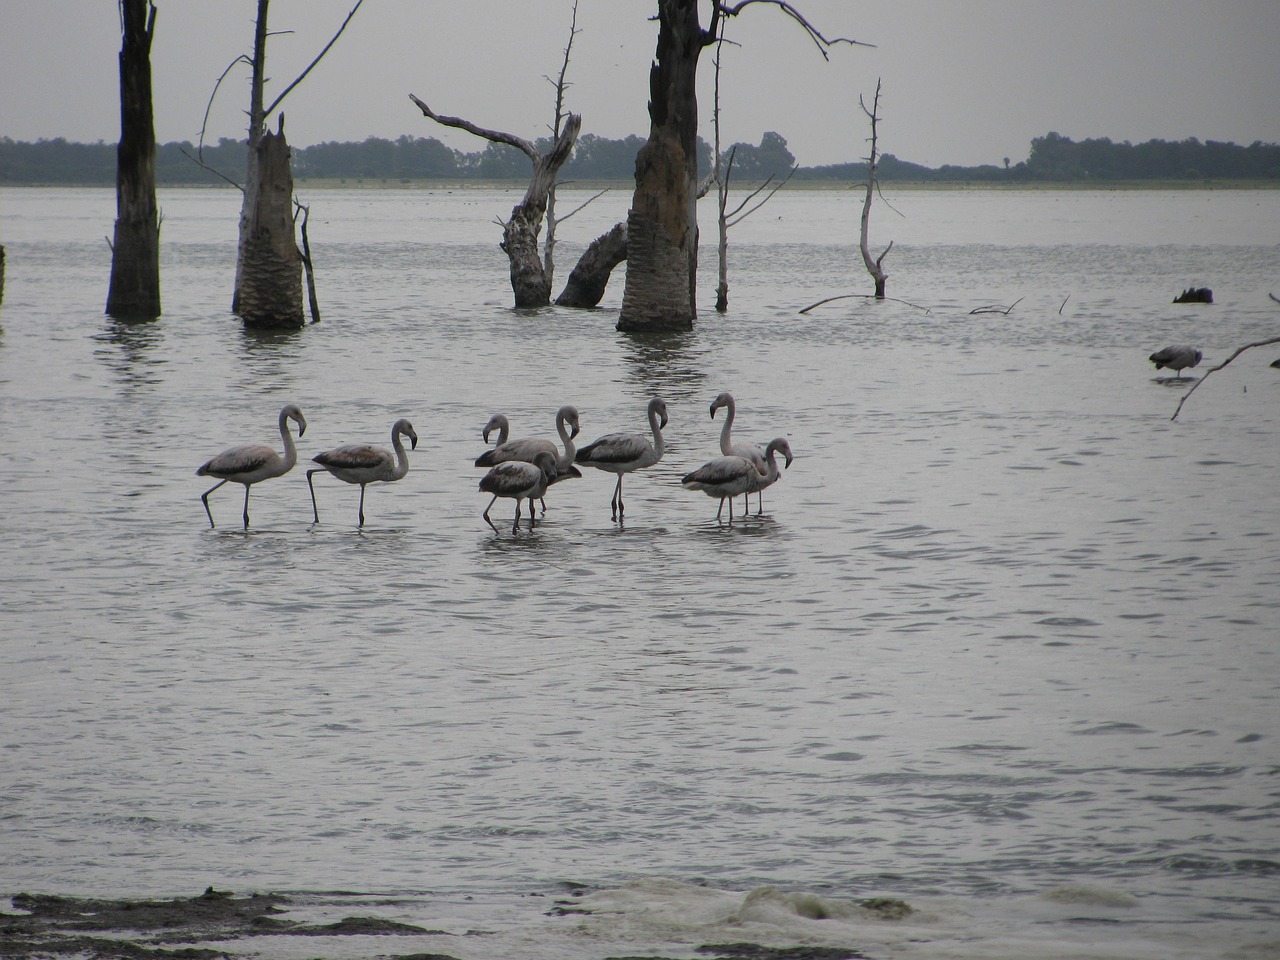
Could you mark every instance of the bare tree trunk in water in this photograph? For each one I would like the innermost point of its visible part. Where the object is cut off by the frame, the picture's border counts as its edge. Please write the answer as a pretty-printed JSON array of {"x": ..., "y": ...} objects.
[
  {"x": 529, "y": 281},
  {"x": 269, "y": 288},
  {"x": 874, "y": 265},
  {"x": 587, "y": 281},
  {"x": 662, "y": 225},
  {"x": 135, "y": 248}
]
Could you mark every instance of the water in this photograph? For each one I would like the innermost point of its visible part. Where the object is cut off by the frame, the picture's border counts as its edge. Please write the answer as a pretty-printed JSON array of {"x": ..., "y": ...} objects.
[{"x": 1002, "y": 644}]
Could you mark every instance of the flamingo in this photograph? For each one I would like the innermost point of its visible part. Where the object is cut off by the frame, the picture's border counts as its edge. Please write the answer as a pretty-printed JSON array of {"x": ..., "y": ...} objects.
[
  {"x": 726, "y": 477},
  {"x": 730, "y": 449},
  {"x": 621, "y": 453},
  {"x": 496, "y": 422},
  {"x": 364, "y": 463},
  {"x": 519, "y": 480},
  {"x": 1176, "y": 358},
  {"x": 253, "y": 462},
  {"x": 526, "y": 448}
]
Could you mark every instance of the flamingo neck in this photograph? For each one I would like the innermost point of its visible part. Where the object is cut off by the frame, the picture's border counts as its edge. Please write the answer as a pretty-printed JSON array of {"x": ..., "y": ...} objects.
[
  {"x": 726, "y": 444},
  {"x": 402, "y": 458},
  {"x": 290, "y": 451},
  {"x": 566, "y": 460},
  {"x": 658, "y": 443}
]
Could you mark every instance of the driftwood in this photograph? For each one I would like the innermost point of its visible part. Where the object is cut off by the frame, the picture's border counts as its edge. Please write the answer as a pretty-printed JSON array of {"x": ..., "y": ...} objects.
[
  {"x": 1248, "y": 346},
  {"x": 996, "y": 308},
  {"x": 586, "y": 284},
  {"x": 529, "y": 280},
  {"x": 1195, "y": 295},
  {"x": 862, "y": 296}
]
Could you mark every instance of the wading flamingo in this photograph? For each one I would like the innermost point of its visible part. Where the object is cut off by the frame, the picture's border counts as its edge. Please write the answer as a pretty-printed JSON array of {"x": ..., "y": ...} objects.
[
  {"x": 518, "y": 480},
  {"x": 253, "y": 462},
  {"x": 726, "y": 477},
  {"x": 1176, "y": 358},
  {"x": 526, "y": 448},
  {"x": 622, "y": 453},
  {"x": 364, "y": 463}
]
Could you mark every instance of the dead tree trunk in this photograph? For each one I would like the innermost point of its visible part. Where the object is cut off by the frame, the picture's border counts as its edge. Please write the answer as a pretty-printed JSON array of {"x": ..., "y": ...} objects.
[
  {"x": 529, "y": 280},
  {"x": 269, "y": 289},
  {"x": 268, "y": 264},
  {"x": 875, "y": 266},
  {"x": 662, "y": 225},
  {"x": 135, "y": 248},
  {"x": 587, "y": 281}
]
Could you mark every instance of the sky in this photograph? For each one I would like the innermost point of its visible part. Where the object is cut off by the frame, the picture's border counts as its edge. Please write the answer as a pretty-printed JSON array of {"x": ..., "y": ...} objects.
[{"x": 964, "y": 81}]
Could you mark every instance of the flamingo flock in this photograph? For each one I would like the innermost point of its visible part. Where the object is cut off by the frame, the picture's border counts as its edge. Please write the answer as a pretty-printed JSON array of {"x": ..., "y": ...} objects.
[{"x": 520, "y": 469}]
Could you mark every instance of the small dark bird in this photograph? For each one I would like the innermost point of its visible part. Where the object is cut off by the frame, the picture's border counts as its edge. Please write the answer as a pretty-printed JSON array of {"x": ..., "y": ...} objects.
[{"x": 1176, "y": 358}]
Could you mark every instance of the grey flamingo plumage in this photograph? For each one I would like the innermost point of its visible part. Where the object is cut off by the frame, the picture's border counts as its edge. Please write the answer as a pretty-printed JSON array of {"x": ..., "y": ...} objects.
[
  {"x": 254, "y": 462},
  {"x": 518, "y": 480},
  {"x": 1176, "y": 358},
  {"x": 727, "y": 477},
  {"x": 751, "y": 451},
  {"x": 526, "y": 448},
  {"x": 364, "y": 463},
  {"x": 624, "y": 453}
]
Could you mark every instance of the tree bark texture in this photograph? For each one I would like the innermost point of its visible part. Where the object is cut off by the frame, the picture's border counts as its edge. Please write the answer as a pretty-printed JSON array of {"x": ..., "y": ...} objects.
[
  {"x": 269, "y": 287},
  {"x": 257, "y": 127},
  {"x": 586, "y": 284},
  {"x": 529, "y": 280},
  {"x": 662, "y": 226},
  {"x": 135, "y": 248}
]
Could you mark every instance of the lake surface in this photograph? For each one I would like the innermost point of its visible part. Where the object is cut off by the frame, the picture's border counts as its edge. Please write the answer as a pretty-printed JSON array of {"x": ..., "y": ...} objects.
[{"x": 1003, "y": 643}]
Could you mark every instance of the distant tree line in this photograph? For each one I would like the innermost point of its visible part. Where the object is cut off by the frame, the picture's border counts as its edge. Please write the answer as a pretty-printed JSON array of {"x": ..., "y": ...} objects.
[{"x": 1053, "y": 158}]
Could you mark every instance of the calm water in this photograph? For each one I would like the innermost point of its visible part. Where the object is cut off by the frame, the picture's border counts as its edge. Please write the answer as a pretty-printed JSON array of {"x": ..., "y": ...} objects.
[{"x": 1003, "y": 643}]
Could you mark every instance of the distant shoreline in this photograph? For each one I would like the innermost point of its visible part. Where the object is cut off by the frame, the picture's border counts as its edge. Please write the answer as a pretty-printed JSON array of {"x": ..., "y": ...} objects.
[{"x": 806, "y": 186}]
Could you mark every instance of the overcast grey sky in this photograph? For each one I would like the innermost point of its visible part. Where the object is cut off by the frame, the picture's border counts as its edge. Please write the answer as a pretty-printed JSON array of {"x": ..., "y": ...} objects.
[{"x": 965, "y": 81}]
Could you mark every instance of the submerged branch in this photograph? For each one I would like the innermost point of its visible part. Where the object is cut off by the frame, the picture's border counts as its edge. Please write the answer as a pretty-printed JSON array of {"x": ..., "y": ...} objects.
[
  {"x": 863, "y": 296},
  {"x": 1248, "y": 346}
]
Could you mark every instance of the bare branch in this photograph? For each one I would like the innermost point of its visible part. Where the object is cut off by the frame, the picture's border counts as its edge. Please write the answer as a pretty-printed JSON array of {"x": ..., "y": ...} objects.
[
  {"x": 204, "y": 166},
  {"x": 276, "y": 102},
  {"x": 493, "y": 136},
  {"x": 209, "y": 106},
  {"x": 995, "y": 308},
  {"x": 863, "y": 296},
  {"x": 823, "y": 43},
  {"x": 560, "y": 83},
  {"x": 737, "y": 219},
  {"x": 1248, "y": 346},
  {"x": 582, "y": 206}
]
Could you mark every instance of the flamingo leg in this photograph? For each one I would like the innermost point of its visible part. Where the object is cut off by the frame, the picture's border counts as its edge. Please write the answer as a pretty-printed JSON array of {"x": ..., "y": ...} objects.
[
  {"x": 314, "y": 509},
  {"x": 246, "y": 506},
  {"x": 542, "y": 501},
  {"x": 721, "y": 510},
  {"x": 205, "y": 497},
  {"x": 731, "y": 509},
  {"x": 616, "y": 502},
  {"x": 362, "y": 486},
  {"x": 515, "y": 527},
  {"x": 486, "y": 514}
]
